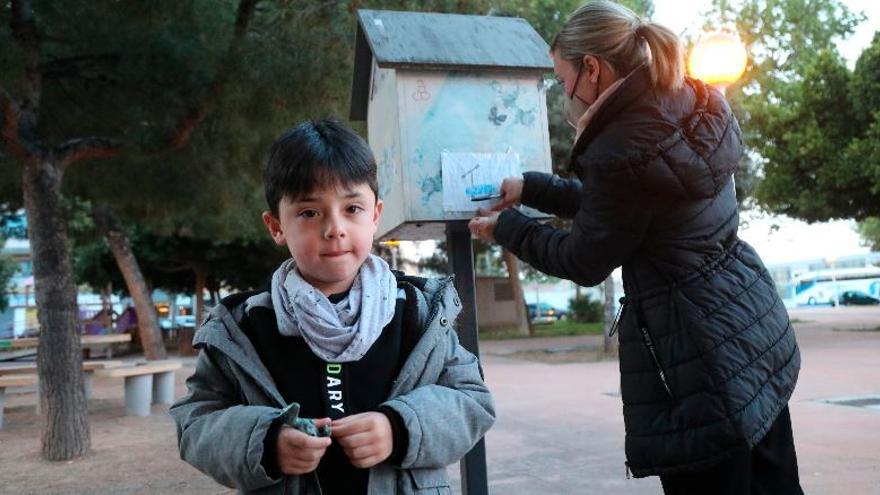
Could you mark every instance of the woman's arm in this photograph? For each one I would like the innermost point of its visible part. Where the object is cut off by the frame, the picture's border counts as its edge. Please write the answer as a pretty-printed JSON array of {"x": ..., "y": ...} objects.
[
  {"x": 609, "y": 224},
  {"x": 551, "y": 194}
]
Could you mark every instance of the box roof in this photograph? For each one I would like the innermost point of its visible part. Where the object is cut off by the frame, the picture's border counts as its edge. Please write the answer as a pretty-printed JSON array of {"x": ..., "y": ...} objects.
[{"x": 420, "y": 40}]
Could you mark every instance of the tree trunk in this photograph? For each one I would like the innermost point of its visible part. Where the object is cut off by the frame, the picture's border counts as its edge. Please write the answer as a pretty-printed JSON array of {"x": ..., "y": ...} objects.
[
  {"x": 148, "y": 322},
  {"x": 524, "y": 325},
  {"x": 107, "y": 307},
  {"x": 174, "y": 311},
  {"x": 609, "y": 343},
  {"x": 213, "y": 287},
  {"x": 59, "y": 355},
  {"x": 201, "y": 281}
]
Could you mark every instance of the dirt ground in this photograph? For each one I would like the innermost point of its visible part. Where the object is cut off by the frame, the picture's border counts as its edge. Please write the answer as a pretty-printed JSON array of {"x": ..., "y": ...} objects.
[
  {"x": 571, "y": 444},
  {"x": 129, "y": 455}
]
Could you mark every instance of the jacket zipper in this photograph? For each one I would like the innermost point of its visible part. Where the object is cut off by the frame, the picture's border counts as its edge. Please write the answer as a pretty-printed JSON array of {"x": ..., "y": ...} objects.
[
  {"x": 623, "y": 301},
  {"x": 649, "y": 343}
]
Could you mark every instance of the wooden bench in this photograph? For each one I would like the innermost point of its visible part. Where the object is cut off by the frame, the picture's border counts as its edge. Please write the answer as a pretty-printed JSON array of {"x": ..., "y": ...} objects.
[
  {"x": 13, "y": 381},
  {"x": 88, "y": 342},
  {"x": 145, "y": 384},
  {"x": 88, "y": 367},
  {"x": 26, "y": 368}
]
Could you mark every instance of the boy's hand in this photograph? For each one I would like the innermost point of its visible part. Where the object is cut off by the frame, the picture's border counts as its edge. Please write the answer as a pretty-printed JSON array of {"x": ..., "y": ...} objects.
[
  {"x": 299, "y": 453},
  {"x": 366, "y": 438}
]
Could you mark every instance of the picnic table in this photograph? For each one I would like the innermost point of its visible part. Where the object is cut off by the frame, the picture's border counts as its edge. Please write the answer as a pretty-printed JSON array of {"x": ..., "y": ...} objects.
[{"x": 29, "y": 344}]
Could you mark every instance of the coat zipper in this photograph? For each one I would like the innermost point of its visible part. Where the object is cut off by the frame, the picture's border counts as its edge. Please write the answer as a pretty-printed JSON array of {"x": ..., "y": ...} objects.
[
  {"x": 649, "y": 343},
  {"x": 616, "y": 323}
]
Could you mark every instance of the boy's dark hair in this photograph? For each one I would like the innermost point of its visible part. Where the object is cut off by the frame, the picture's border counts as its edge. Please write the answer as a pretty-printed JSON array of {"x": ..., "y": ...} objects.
[{"x": 313, "y": 155}]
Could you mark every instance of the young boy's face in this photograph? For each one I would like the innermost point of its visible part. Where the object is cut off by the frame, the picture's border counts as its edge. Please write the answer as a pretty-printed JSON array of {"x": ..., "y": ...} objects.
[{"x": 329, "y": 233}]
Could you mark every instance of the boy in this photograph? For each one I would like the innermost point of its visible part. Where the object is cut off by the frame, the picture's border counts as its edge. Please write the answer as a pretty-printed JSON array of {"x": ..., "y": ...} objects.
[{"x": 367, "y": 351}]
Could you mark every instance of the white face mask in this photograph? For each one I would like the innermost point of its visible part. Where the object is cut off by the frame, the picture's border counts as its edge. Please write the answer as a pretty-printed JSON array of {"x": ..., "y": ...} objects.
[{"x": 575, "y": 108}]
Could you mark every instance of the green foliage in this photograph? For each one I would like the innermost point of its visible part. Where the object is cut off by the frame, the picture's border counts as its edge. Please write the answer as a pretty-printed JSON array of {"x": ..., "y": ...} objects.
[
  {"x": 488, "y": 259},
  {"x": 135, "y": 71},
  {"x": 561, "y": 328},
  {"x": 586, "y": 310},
  {"x": 869, "y": 230},
  {"x": 811, "y": 122},
  {"x": 170, "y": 262}
]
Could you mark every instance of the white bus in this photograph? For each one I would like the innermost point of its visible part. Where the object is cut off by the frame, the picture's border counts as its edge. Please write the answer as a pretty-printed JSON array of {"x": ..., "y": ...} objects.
[{"x": 828, "y": 286}]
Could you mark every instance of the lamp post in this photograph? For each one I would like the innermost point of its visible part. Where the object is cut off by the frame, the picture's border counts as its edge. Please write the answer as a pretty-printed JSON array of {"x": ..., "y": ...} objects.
[
  {"x": 392, "y": 246},
  {"x": 833, "y": 262},
  {"x": 718, "y": 58}
]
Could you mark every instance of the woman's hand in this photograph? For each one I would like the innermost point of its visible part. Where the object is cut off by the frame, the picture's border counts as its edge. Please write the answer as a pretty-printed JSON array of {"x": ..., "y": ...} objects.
[
  {"x": 511, "y": 193},
  {"x": 482, "y": 226}
]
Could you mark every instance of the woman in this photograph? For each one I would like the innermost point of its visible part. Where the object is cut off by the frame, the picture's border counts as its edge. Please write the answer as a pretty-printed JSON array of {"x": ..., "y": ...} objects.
[{"x": 708, "y": 357}]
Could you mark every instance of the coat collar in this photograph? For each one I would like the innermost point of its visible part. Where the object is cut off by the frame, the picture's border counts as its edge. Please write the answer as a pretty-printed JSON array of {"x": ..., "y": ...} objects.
[
  {"x": 221, "y": 330},
  {"x": 630, "y": 90}
]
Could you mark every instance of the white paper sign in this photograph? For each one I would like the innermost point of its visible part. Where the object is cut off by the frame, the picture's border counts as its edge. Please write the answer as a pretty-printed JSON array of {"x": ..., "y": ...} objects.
[{"x": 473, "y": 180}]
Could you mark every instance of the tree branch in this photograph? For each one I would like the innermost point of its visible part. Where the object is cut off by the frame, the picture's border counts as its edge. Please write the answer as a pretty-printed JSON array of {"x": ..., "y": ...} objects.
[
  {"x": 17, "y": 118},
  {"x": 75, "y": 150},
  {"x": 197, "y": 113},
  {"x": 9, "y": 129}
]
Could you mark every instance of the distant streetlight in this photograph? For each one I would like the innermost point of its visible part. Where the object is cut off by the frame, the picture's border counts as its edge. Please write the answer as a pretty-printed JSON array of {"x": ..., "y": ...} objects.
[
  {"x": 392, "y": 245},
  {"x": 718, "y": 58}
]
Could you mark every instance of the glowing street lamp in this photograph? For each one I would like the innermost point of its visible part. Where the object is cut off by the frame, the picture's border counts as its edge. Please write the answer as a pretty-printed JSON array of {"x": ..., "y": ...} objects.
[{"x": 718, "y": 58}]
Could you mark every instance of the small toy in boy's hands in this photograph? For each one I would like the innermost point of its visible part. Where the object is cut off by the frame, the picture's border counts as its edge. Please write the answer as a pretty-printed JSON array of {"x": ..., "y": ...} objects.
[{"x": 291, "y": 418}]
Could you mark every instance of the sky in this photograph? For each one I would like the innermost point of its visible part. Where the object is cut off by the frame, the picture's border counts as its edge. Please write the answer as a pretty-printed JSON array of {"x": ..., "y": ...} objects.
[{"x": 793, "y": 240}]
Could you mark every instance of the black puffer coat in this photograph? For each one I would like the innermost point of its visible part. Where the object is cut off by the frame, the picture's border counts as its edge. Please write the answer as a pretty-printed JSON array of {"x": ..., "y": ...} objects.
[{"x": 708, "y": 356}]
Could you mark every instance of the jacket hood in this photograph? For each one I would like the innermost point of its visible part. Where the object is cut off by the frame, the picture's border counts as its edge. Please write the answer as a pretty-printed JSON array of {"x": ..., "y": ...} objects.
[{"x": 682, "y": 144}]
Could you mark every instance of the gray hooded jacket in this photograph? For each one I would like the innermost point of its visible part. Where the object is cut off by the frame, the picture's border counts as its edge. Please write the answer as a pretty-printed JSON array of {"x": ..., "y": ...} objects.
[{"x": 232, "y": 400}]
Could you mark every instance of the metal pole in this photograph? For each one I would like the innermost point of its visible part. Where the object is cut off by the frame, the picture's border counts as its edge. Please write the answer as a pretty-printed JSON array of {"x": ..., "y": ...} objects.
[{"x": 461, "y": 261}]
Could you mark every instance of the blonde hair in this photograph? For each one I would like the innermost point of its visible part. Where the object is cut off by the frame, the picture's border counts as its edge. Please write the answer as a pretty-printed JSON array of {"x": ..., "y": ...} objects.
[{"x": 614, "y": 33}]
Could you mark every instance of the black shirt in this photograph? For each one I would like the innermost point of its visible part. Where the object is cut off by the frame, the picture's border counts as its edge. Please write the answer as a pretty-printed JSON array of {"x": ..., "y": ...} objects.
[{"x": 331, "y": 390}]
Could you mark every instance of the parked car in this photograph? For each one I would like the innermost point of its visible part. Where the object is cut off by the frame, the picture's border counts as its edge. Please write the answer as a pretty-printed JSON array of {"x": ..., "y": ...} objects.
[
  {"x": 544, "y": 312},
  {"x": 857, "y": 298}
]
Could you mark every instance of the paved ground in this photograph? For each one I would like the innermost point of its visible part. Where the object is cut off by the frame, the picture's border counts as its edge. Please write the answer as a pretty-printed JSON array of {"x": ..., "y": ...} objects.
[{"x": 559, "y": 429}]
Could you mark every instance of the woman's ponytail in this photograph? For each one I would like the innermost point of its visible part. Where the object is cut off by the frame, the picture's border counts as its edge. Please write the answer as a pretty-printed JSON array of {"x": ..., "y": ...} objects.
[{"x": 667, "y": 56}]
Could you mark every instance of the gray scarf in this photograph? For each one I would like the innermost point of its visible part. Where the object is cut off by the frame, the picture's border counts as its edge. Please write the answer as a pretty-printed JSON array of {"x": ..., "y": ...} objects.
[{"x": 341, "y": 332}]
